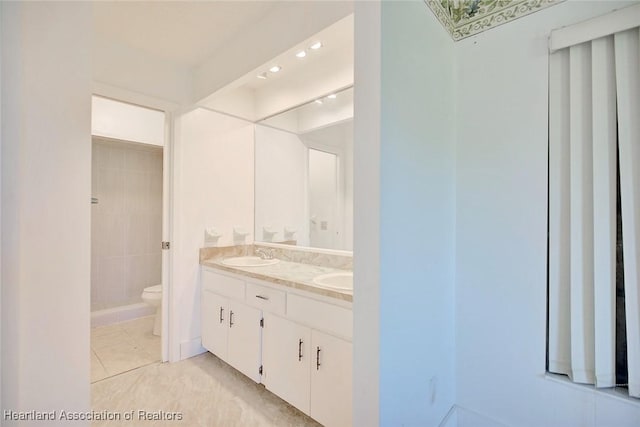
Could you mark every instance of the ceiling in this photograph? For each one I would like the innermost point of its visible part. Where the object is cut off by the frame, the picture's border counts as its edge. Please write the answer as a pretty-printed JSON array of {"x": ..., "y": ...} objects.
[
  {"x": 182, "y": 32},
  {"x": 300, "y": 80},
  {"x": 337, "y": 47}
]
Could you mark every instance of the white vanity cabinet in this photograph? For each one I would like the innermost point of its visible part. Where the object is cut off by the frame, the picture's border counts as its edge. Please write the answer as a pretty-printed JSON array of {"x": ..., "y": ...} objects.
[
  {"x": 309, "y": 369},
  {"x": 243, "y": 343},
  {"x": 299, "y": 342},
  {"x": 230, "y": 329},
  {"x": 215, "y": 328},
  {"x": 331, "y": 383},
  {"x": 286, "y": 356}
]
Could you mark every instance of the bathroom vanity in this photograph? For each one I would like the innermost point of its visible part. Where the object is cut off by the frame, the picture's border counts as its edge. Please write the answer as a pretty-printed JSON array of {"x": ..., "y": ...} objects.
[{"x": 279, "y": 327}]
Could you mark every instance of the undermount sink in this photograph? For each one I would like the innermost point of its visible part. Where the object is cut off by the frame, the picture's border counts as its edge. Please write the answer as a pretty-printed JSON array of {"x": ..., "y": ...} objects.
[
  {"x": 249, "y": 261},
  {"x": 337, "y": 281}
]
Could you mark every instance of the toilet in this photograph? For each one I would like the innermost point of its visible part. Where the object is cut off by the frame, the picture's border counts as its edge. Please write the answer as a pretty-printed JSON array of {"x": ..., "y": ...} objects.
[{"x": 153, "y": 296}]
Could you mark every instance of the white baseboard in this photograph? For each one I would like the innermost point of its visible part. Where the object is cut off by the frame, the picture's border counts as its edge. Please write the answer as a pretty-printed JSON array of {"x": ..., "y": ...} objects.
[
  {"x": 121, "y": 314},
  {"x": 451, "y": 419},
  {"x": 191, "y": 348},
  {"x": 468, "y": 418}
]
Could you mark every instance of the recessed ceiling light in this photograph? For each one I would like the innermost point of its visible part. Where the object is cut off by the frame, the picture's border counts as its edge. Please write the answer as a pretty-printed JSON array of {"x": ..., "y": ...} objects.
[
  {"x": 332, "y": 96},
  {"x": 275, "y": 68},
  {"x": 318, "y": 101},
  {"x": 301, "y": 54},
  {"x": 316, "y": 45},
  {"x": 262, "y": 76}
]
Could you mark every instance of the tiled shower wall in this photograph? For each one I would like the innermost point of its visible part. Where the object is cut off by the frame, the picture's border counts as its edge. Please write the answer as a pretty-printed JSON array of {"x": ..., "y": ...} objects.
[{"x": 126, "y": 223}]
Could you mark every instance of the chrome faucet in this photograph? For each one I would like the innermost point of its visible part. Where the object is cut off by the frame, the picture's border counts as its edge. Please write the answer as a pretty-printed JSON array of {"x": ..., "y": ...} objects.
[{"x": 264, "y": 253}]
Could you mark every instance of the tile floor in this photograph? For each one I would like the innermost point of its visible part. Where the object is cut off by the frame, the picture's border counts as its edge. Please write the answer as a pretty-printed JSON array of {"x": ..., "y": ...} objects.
[
  {"x": 204, "y": 390},
  {"x": 122, "y": 347}
]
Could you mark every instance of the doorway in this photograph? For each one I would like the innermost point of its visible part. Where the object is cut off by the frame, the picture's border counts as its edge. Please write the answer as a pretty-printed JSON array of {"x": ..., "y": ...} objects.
[
  {"x": 129, "y": 224},
  {"x": 126, "y": 257},
  {"x": 323, "y": 199}
]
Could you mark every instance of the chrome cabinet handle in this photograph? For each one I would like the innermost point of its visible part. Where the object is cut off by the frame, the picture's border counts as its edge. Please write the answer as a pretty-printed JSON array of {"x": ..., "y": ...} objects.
[
  {"x": 318, "y": 359},
  {"x": 231, "y": 318},
  {"x": 262, "y": 297},
  {"x": 300, "y": 350},
  {"x": 221, "y": 316}
]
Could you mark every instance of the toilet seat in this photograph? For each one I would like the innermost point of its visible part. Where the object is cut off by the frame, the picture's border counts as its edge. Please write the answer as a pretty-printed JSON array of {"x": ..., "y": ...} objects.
[{"x": 153, "y": 289}]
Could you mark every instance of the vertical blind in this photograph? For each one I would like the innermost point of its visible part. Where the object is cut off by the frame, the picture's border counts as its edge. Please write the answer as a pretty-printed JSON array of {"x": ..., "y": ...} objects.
[{"x": 594, "y": 117}]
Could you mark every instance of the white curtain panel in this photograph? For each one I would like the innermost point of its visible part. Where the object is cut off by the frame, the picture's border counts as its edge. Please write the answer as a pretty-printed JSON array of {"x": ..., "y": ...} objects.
[
  {"x": 627, "y": 53},
  {"x": 604, "y": 208},
  {"x": 594, "y": 97}
]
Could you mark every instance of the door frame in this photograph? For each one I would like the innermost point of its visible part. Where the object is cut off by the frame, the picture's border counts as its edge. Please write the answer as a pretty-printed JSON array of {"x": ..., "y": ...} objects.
[
  {"x": 340, "y": 176},
  {"x": 168, "y": 108}
]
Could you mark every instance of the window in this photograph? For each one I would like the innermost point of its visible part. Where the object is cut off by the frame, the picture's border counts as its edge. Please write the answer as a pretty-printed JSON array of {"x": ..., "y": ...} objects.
[{"x": 594, "y": 203}]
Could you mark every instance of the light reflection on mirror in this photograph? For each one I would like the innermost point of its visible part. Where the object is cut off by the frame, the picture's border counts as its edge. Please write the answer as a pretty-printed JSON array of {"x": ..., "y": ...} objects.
[
  {"x": 332, "y": 108},
  {"x": 304, "y": 175}
]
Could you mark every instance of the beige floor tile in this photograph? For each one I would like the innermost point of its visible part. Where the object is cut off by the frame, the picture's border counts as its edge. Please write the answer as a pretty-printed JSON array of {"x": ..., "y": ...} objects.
[
  {"x": 123, "y": 357},
  {"x": 101, "y": 331},
  {"x": 141, "y": 332},
  {"x": 114, "y": 338},
  {"x": 204, "y": 390},
  {"x": 124, "y": 346},
  {"x": 137, "y": 327},
  {"x": 97, "y": 369},
  {"x": 152, "y": 348}
]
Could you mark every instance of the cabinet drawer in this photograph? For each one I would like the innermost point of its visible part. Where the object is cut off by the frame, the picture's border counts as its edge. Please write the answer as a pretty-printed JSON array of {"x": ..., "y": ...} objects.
[
  {"x": 222, "y": 285},
  {"x": 266, "y": 299},
  {"x": 319, "y": 315}
]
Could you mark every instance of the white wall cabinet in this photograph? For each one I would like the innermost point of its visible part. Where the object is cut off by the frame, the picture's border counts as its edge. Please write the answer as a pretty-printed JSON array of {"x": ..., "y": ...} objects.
[{"x": 303, "y": 347}]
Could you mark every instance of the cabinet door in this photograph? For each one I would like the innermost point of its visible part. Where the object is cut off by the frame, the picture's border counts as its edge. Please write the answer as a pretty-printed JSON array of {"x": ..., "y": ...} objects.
[
  {"x": 214, "y": 323},
  {"x": 331, "y": 380},
  {"x": 286, "y": 360},
  {"x": 244, "y": 339}
]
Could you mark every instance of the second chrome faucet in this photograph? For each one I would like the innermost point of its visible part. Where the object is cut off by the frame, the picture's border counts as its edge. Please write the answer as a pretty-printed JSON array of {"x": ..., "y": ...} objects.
[{"x": 264, "y": 253}]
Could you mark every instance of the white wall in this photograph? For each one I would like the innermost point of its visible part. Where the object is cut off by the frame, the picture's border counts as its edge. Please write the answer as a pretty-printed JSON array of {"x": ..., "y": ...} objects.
[
  {"x": 127, "y": 122},
  {"x": 214, "y": 172},
  {"x": 416, "y": 217},
  {"x": 126, "y": 223},
  {"x": 280, "y": 184},
  {"x": 46, "y": 183},
  {"x": 1, "y": 245},
  {"x": 123, "y": 67},
  {"x": 501, "y": 242},
  {"x": 366, "y": 271}
]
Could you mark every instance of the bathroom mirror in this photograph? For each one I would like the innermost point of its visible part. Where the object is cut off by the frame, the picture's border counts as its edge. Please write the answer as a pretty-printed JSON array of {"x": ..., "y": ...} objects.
[{"x": 304, "y": 174}]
